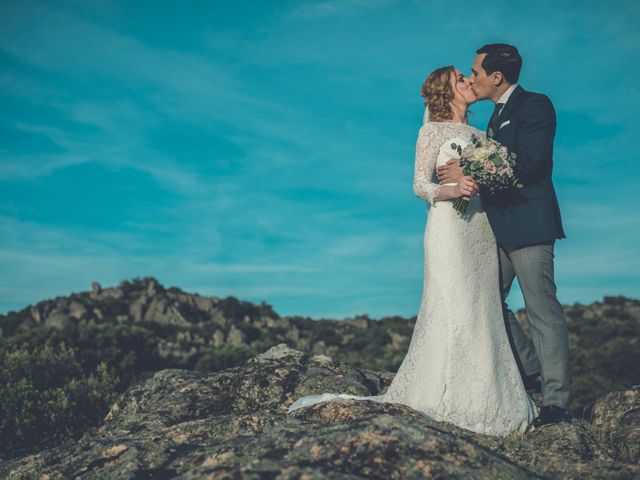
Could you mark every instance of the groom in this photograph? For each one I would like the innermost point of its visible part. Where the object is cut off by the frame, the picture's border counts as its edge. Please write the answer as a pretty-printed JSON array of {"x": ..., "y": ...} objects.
[{"x": 526, "y": 223}]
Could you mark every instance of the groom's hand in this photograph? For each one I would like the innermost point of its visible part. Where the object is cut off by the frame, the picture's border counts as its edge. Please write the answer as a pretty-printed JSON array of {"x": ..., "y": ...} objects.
[{"x": 450, "y": 173}]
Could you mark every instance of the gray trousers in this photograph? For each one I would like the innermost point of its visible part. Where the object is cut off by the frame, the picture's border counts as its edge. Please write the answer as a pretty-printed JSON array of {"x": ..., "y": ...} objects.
[{"x": 547, "y": 352}]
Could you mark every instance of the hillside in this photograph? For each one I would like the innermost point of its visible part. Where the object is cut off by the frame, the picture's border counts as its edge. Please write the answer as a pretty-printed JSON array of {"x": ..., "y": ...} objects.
[{"x": 69, "y": 358}]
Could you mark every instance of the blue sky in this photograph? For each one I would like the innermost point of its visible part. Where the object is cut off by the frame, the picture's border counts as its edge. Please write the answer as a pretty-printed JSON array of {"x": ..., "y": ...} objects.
[{"x": 265, "y": 149}]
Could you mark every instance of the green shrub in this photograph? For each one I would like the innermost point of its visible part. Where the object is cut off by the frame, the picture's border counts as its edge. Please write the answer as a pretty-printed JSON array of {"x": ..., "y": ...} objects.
[
  {"x": 226, "y": 356},
  {"x": 129, "y": 349},
  {"x": 325, "y": 331},
  {"x": 265, "y": 342},
  {"x": 46, "y": 399}
]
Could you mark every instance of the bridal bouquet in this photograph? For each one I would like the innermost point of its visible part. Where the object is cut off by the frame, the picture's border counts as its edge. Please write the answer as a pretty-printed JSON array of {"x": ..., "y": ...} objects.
[{"x": 489, "y": 163}]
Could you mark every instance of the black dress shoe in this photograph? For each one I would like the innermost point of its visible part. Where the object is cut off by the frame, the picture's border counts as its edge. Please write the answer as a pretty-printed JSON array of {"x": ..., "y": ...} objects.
[
  {"x": 552, "y": 414},
  {"x": 533, "y": 383}
]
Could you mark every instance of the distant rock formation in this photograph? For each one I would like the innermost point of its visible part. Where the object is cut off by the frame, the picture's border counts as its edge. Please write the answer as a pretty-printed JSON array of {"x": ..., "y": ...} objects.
[
  {"x": 193, "y": 321},
  {"x": 234, "y": 424}
]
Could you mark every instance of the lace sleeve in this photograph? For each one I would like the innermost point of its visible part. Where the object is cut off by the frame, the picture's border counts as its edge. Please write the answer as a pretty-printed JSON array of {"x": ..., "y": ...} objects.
[{"x": 427, "y": 149}]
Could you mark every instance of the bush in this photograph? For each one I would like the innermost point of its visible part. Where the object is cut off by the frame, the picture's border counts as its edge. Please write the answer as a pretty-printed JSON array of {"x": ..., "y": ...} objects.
[
  {"x": 265, "y": 342},
  {"x": 325, "y": 331},
  {"x": 226, "y": 356},
  {"x": 45, "y": 398},
  {"x": 130, "y": 350}
]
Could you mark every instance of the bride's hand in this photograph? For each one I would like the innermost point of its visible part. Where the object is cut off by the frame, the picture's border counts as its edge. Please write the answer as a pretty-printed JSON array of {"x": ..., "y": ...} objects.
[
  {"x": 449, "y": 173},
  {"x": 467, "y": 187}
]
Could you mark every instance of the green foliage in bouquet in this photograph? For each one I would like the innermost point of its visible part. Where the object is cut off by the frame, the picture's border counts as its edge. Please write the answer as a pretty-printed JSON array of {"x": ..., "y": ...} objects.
[{"x": 490, "y": 164}]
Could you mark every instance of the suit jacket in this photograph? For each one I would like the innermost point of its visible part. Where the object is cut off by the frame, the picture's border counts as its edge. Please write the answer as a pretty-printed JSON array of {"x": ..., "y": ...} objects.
[{"x": 530, "y": 215}]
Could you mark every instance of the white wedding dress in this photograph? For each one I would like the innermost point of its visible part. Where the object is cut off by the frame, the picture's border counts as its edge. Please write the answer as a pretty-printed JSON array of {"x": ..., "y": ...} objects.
[{"x": 459, "y": 366}]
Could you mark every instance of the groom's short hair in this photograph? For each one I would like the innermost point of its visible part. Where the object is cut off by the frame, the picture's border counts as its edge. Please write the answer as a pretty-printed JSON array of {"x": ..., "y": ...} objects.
[{"x": 502, "y": 58}]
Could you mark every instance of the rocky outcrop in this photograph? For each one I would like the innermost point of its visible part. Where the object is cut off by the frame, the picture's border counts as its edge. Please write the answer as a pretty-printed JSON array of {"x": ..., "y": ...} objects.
[
  {"x": 615, "y": 422},
  {"x": 187, "y": 323},
  {"x": 234, "y": 424}
]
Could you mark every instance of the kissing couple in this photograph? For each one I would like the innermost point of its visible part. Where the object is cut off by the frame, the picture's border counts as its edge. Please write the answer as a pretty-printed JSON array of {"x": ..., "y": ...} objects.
[{"x": 469, "y": 360}]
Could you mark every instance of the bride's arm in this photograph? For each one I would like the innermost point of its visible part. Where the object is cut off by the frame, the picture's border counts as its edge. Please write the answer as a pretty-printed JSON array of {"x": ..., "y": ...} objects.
[{"x": 427, "y": 149}]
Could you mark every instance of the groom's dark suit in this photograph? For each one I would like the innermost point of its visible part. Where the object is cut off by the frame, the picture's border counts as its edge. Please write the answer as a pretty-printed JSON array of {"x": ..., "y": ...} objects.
[
  {"x": 530, "y": 215},
  {"x": 526, "y": 222}
]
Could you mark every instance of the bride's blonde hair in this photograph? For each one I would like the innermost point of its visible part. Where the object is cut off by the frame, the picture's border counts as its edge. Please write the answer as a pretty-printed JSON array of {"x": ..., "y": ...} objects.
[{"x": 438, "y": 93}]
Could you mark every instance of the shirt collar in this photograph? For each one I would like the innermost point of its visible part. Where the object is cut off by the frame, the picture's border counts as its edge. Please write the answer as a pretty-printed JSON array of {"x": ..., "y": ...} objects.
[{"x": 505, "y": 96}]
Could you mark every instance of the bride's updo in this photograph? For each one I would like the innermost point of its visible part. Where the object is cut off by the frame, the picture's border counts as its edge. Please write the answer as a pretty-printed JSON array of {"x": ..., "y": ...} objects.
[{"x": 438, "y": 93}]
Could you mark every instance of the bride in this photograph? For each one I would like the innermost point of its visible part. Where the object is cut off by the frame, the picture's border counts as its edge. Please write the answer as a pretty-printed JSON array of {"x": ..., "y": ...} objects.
[{"x": 459, "y": 367}]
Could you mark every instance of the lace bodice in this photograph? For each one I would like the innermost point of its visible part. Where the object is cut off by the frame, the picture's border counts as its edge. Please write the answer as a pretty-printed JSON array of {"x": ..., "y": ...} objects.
[{"x": 431, "y": 137}]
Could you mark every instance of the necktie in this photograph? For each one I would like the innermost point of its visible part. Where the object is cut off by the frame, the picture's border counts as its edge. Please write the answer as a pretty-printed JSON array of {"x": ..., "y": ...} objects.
[{"x": 493, "y": 119}]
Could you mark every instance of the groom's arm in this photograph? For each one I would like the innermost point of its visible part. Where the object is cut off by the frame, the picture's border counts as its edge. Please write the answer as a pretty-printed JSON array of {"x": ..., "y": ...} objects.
[{"x": 534, "y": 142}]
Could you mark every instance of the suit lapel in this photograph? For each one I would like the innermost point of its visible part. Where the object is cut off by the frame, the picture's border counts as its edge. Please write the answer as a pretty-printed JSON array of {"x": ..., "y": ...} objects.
[
  {"x": 506, "y": 110},
  {"x": 494, "y": 126}
]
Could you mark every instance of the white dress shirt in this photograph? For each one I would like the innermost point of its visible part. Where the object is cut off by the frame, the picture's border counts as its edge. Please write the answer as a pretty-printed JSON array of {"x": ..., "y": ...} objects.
[{"x": 505, "y": 96}]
